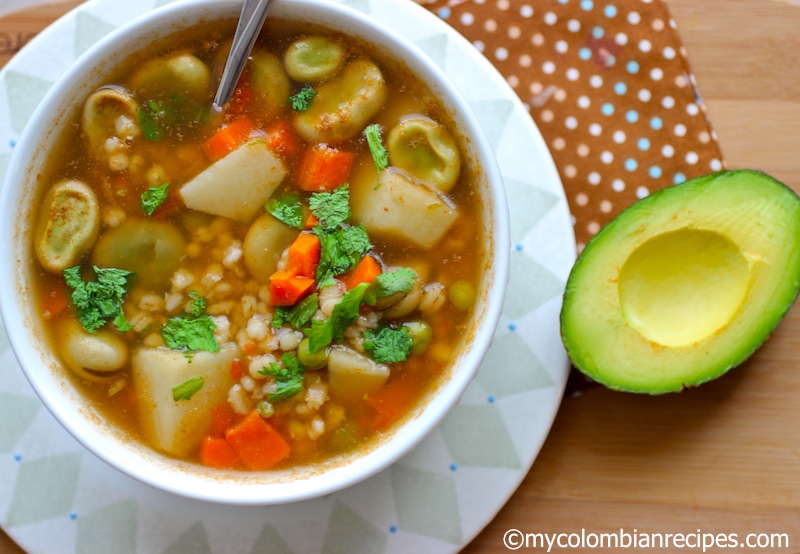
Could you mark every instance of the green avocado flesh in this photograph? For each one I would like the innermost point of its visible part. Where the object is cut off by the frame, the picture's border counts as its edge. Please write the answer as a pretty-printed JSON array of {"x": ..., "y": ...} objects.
[{"x": 684, "y": 284}]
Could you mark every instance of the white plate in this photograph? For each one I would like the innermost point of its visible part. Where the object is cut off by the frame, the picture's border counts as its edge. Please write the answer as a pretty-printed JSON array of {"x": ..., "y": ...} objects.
[{"x": 56, "y": 496}]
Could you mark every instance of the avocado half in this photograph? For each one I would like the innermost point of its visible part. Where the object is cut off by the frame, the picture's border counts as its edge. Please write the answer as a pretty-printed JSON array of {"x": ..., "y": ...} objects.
[{"x": 684, "y": 284}]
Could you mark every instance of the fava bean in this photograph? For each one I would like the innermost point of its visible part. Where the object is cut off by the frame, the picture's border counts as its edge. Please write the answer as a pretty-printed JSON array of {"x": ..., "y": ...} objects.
[
  {"x": 425, "y": 149},
  {"x": 313, "y": 59}
]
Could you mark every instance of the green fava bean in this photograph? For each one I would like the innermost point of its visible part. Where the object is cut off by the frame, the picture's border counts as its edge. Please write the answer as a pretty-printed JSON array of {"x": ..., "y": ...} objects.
[
  {"x": 311, "y": 360},
  {"x": 426, "y": 150},
  {"x": 313, "y": 59}
]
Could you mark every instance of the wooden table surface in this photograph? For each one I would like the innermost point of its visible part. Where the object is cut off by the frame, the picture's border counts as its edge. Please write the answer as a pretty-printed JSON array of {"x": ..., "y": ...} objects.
[{"x": 722, "y": 458}]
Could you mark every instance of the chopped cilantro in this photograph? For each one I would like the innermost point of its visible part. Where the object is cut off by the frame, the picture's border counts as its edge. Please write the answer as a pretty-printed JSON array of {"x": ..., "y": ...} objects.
[
  {"x": 302, "y": 100},
  {"x": 375, "y": 143},
  {"x": 388, "y": 345},
  {"x": 391, "y": 282},
  {"x": 331, "y": 208},
  {"x": 289, "y": 378},
  {"x": 286, "y": 208},
  {"x": 340, "y": 251},
  {"x": 186, "y": 390},
  {"x": 279, "y": 317},
  {"x": 193, "y": 331},
  {"x": 152, "y": 198},
  {"x": 151, "y": 117},
  {"x": 100, "y": 300},
  {"x": 198, "y": 303},
  {"x": 322, "y": 333},
  {"x": 302, "y": 312}
]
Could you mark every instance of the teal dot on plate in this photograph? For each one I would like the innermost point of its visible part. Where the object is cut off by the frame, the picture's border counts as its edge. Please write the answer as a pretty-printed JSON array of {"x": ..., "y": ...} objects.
[
  {"x": 620, "y": 88},
  {"x": 632, "y": 116},
  {"x": 632, "y": 67},
  {"x": 598, "y": 32},
  {"x": 607, "y": 108},
  {"x": 610, "y": 10},
  {"x": 631, "y": 164},
  {"x": 393, "y": 528},
  {"x": 656, "y": 123},
  {"x": 679, "y": 178},
  {"x": 587, "y": 5},
  {"x": 655, "y": 172},
  {"x": 563, "y": 1},
  {"x": 643, "y": 144},
  {"x": 444, "y": 13},
  {"x": 73, "y": 515},
  {"x": 585, "y": 53}
]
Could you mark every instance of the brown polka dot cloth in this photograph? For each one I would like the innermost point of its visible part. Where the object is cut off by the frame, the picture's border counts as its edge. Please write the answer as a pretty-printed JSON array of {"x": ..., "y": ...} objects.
[{"x": 610, "y": 88}]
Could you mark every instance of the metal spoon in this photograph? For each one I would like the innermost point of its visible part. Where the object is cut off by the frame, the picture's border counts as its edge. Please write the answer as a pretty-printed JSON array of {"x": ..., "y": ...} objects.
[{"x": 254, "y": 13}]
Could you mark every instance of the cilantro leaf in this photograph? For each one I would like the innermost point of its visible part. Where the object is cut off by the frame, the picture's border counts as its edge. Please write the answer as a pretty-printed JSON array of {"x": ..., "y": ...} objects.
[
  {"x": 340, "y": 251},
  {"x": 303, "y": 311},
  {"x": 289, "y": 378},
  {"x": 391, "y": 282},
  {"x": 388, "y": 345},
  {"x": 375, "y": 143},
  {"x": 286, "y": 208},
  {"x": 101, "y": 300},
  {"x": 186, "y": 390},
  {"x": 302, "y": 100},
  {"x": 150, "y": 120},
  {"x": 152, "y": 198},
  {"x": 198, "y": 303},
  {"x": 322, "y": 333},
  {"x": 279, "y": 317},
  {"x": 191, "y": 332},
  {"x": 331, "y": 208}
]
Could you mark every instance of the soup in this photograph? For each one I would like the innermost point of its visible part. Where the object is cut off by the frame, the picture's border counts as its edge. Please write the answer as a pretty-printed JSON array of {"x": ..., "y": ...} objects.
[{"x": 269, "y": 286}]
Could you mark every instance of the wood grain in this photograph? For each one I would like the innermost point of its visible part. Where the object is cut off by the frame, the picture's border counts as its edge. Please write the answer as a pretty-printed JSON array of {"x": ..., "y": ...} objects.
[{"x": 722, "y": 458}]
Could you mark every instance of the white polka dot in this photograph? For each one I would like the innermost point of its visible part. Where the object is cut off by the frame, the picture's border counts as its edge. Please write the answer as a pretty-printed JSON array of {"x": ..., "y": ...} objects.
[
  {"x": 547, "y": 116},
  {"x": 657, "y": 25},
  {"x": 503, "y": 5},
  {"x": 562, "y": 46},
  {"x": 479, "y": 45},
  {"x": 573, "y": 25},
  {"x": 570, "y": 171},
  {"x": 668, "y": 53},
  {"x": 571, "y": 122},
  {"x": 593, "y": 227},
  {"x": 583, "y": 101},
  {"x": 606, "y": 206},
  {"x": 501, "y": 54},
  {"x": 550, "y": 18},
  {"x": 645, "y": 45},
  {"x": 644, "y": 95},
  {"x": 526, "y": 11},
  {"x": 691, "y": 158},
  {"x": 618, "y": 185},
  {"x": 668, "y": 102},
  {"x": 560, "y": 95},
  {"x": 596, "y": 81},
  {"x": 679, "y": 130},
  {"x": 692, "y": 109},
  {"x": 634, "y": 18},
  {"x": 715, "y": 164},
  {"x": 525, "y": 60},
  {"x": 559, "y": 143},
  {"x": 536, "y": 87},
  {"x": 467, "y": 18},
  {"x": 595, "y": 129},
  {"x": 681, "y": 81},
  {"x": 672, "y": 23},
  {"x": 704, "y": 137},
  {"x": 619, "y": 137},
  {"x": 581, "y": 199},
  {"x": 513, "y": 80},
  {"x": 490, "y": 25},
  {"x": 656, "y": 74},
  {"x": 537, "y": 39},
  {"x": 641, "y": 192},
  {"x": 621, "y": 39},
  {"x": 573, "y": 74},
  {"x": 548, "y": 67},
  {"x": 606, "y": 157},
  {"x": 514, "y": 32},
  {"x": 593, "y": 178},
  {"x": 667, "y": 150},
  {"x": 582, "y": 150}
]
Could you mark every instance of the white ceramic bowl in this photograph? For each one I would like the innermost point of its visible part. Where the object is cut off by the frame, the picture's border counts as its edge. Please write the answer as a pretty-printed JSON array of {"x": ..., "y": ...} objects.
[{"x": 56, "y": 390}]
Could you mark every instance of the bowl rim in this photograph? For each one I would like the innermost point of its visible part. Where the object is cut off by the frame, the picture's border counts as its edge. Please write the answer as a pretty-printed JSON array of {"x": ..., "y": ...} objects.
[{"x": 171, "y": 477}]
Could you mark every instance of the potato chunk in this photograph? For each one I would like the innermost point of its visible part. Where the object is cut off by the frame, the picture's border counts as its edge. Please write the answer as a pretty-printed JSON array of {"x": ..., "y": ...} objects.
[
  {"x": 177, "y": 427},
  {"x": 352, "y": 375},
  {"x": 238, "y": 185},
  {"x": 400, "y": 207}
]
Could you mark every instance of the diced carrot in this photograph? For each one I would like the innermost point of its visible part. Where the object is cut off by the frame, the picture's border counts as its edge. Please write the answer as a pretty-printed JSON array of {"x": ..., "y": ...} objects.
[
  {"x": 257, "y": 444},
  {"x": 304, "y": 255},
  {"x": 222, "y": 419},
  {"x": 311, "y": 221},
  {"x": 392, "y": 401},
  {"x": 237, "y": 369},
  {"x": 217, "y": 452},
  {"x": 323, "y": 168},
  {"x": 229, "y": 137},
  {"x": 282, "y": 138},
  {"x": 365, "y": 271},
  {"x": 56, "y": 301},
  {"x": 287, "y": 288}
]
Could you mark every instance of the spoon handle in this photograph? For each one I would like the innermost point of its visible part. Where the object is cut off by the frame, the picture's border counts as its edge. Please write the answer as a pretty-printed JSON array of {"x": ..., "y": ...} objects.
[{"x": 254, "y": 13}]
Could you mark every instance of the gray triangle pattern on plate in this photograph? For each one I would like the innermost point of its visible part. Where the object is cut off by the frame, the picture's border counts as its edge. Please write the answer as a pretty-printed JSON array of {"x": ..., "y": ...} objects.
[
  {"x": 526, "y": 205},
  {"x": 511, "y": 367},
  {"x": 16, "y": 415},
  {"x": 44, "y": 489},
  {"x": 349, "y": 533},
  {"x": 426, "y": 503},
  {"x": 24, "y": 93},
  {"x": 88, "y": 30},
  {"x": 530, "y": 285},
  {"x": 270, "y": 541},
  {"x": 436, "y": 48},
  {"x": 465, "y": 433},
  {"x": 193, "y": 540},
  {"x": 494, "y": 115},
  {"x": 109, "y": 529}
]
